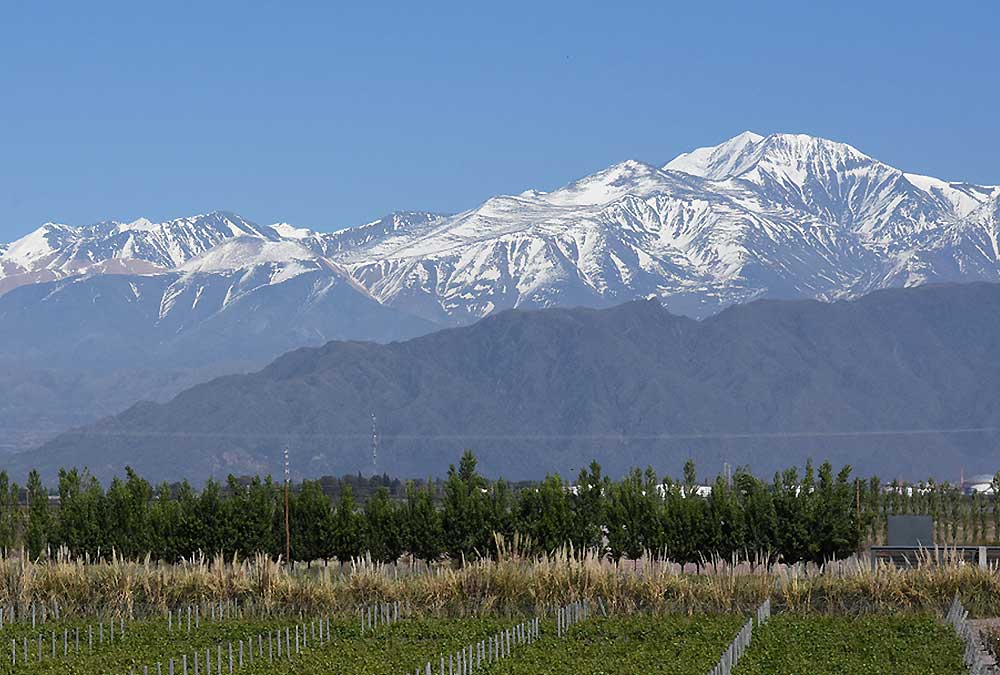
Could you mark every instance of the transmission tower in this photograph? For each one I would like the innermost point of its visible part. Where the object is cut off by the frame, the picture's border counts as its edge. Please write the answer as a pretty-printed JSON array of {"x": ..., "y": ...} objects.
[{"x": 374, "y": 443}]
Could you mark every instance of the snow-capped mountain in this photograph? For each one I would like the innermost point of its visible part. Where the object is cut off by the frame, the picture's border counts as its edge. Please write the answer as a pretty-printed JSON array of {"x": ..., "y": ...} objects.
[
  {"x": 778, "y": 216},
  {"x": 783, "y": 215},
  {"x": 96, "y": 313},
  {"x": 55, "y": 250}
]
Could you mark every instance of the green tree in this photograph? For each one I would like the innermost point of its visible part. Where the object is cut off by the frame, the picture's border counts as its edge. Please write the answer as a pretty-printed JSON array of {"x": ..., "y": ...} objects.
[
  {"x": 250, "y": 511},
  {"x": 164, "y": 525},
  {"x": 760, "y": 521},
  {"x": 723, "y": 521},
  {"x": 423, "y": 529},
  {"x": 383, "y": 527},
  {"x": 792, "y": 503},
  {"x": 128, "y": 514},
  {"x": 836, "y": 531},
  {"x": 312, "y": 523},
  {"x": 348, "y": 528},
  {"x": 10, "y": 513},
  {"x": 39, "y": 518},
  {"x": 587, "y": 506},
  {"x": 466, "y": 531},
  {"x": 633, "y": 518},
  {"x": 544, "y": 514}
]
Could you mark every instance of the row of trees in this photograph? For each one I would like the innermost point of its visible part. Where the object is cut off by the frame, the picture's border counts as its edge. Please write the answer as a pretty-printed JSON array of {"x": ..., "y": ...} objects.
[{"x": 815, "y": 515}]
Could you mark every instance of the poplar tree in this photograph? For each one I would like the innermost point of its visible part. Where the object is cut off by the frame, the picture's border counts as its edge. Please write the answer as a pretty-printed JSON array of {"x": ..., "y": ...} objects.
[
  {"x": 760, "y": 521},
  {"x": 383, "y": 527},
  {"x": 423, "y": 523},
  {"x": 464, "y": 512},
  {"x": 348, "y": 534},
  {"x": 312, "y": 523},
  {"x": 587, "y": 506},
  {"x": 39, "y": 518},
  {"x": 633, "y": 519},
  {"x": 544, "y": 514},
  {"x": 10, "y": 512}
]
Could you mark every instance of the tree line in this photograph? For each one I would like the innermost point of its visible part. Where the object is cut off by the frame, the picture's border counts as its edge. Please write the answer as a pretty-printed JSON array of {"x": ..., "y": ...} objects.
[{"x": 814, "y": 515}]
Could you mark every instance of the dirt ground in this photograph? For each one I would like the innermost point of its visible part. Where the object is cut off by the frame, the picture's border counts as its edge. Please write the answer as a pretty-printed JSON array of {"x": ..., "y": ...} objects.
[{"x": 984, "y": 628}]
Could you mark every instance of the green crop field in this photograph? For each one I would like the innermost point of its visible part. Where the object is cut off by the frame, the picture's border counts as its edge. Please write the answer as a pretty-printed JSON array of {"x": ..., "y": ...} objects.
[
  {"x": 395, "y": 650},
  {"x": 668, "y": 644},
  {"x": 673, "y": 645},
  {"x": 144, "y": 643},
  {"x": 869, "y": 645},
  {"x": 388, "y": 650}
]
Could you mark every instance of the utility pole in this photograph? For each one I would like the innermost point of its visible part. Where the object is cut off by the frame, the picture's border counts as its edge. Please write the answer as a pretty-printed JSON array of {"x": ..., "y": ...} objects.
[{"x": 288, "y": 531}]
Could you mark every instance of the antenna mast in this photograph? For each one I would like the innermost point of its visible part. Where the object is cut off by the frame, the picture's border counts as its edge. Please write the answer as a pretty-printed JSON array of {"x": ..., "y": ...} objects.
[{"x": 374, "y": 444}]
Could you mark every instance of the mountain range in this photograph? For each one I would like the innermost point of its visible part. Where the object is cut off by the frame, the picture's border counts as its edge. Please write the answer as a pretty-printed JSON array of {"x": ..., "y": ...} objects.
[
  {"x": 902, "y": 382},
  {"x": 94, "y": 318}
]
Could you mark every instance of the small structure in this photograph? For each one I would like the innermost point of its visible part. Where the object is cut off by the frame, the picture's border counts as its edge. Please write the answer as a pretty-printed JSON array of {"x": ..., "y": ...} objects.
[
  {"x": 911, "y": 531},
  {"x": 982, "y": 484},
  {"x": 911, "y": 541}
]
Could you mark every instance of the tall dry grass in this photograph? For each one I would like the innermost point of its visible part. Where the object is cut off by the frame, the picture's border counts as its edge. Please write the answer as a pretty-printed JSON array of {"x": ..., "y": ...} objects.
[{"x": 512, "y": 583}]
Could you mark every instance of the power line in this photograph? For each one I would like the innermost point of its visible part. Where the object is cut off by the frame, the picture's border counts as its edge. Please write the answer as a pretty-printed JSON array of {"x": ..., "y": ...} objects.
[{"x": 534, "y": 437}]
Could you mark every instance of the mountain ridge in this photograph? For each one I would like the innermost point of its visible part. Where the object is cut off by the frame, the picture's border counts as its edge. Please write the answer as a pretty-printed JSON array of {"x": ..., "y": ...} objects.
[
  {"x": 780, "y": 216},
  {"x": 884, "y": 382}
]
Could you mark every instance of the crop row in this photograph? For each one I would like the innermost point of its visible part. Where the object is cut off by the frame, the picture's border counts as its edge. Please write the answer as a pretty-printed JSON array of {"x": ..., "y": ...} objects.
[{"x": 655, "y": 644}]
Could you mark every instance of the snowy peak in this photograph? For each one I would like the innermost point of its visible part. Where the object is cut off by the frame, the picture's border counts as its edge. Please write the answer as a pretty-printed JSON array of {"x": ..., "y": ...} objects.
[
  {"x": 41, "y": 246},
  {"x": 793, "y": 156},
  {"x": 138, "y": 246},
  {"x": 797, "y": 158},
  {"x": 717, "y": 161},
  {"x": 628, "y": 177},
  {"x": 288, "y": 231}
]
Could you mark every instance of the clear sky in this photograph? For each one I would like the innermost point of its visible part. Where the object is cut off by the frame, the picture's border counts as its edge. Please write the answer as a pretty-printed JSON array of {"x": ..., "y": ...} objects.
[{"x": 328, "y": 114}]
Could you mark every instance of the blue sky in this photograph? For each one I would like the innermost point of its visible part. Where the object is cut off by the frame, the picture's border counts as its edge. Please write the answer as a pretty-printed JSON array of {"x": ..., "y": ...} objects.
[{"x": 327, "y": 115}]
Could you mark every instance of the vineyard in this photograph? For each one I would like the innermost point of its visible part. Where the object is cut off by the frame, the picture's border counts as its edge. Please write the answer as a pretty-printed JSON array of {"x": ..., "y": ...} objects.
[
  {"x": 640, "y": 643},
  {"x": 515, "y": 615},
  {"x": 648, "y": 574}
]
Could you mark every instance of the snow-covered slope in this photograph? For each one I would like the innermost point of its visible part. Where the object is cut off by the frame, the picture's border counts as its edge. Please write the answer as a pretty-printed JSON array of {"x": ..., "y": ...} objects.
[
  {"x": 783, "y": 215},
  {"x": 55, "y": 250},
  {"x": 779, "y": 216}
]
